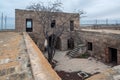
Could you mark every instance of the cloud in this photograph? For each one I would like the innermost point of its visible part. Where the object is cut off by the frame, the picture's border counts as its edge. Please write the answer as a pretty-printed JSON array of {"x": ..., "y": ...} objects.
[
  {"x": 103, "y": 8},
  {"x": 95, "y": 9}
]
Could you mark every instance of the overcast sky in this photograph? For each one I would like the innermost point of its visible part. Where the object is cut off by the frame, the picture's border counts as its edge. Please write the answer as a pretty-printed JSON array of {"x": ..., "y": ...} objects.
[{"x": 95, "y": 9}]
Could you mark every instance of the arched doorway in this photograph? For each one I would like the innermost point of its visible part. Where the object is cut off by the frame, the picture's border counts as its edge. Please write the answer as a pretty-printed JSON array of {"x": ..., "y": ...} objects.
[{"x": 70, "y": 43}]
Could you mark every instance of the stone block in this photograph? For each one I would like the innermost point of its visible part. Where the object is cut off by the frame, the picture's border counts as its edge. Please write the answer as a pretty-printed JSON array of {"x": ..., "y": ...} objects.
[
  {"x": 10, "y": 70},
  {"x": 19, "y": 76},
  {"x": 3, "y": 61},
  {"x": 3, "y": 72}
]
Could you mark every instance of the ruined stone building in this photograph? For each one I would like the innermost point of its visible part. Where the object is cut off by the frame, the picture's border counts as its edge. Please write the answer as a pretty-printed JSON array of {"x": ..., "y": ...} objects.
[
  {"x": 20, "y": 58},
  {"x": 25, "y": 17},
  {"x": 100, "y": 43}
]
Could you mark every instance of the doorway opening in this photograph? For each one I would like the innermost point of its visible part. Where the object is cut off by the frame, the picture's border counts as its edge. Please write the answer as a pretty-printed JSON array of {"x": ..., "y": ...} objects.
[
  {"x": 70, "y": 43},
  {"x": 90, "y": 46},
  {"x": 58, "y": 43},
  {"x": 113, "y": 55}
]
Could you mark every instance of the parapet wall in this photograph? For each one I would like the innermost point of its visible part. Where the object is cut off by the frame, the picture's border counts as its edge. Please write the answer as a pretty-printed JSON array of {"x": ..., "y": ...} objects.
[{"x": 41, "y": 68}]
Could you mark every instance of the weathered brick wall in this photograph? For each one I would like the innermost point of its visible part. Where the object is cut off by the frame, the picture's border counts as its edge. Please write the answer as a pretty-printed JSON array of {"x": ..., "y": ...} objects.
[{"x": 101, "y": 42}]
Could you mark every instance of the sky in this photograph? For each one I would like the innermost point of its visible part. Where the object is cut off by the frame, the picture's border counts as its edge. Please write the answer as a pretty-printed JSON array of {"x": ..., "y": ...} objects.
[{"x": 94, "y": 9}]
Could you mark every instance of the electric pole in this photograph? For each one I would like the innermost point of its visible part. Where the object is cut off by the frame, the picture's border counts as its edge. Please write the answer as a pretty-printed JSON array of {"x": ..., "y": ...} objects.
[
  {"x": 5, "y": 22},
  {"x": 2, "y": 21},
  {"x": 106, "y": 21}
]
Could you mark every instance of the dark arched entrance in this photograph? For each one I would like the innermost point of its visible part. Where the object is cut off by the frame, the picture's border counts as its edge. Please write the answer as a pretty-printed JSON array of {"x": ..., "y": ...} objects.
[
  {"x": 56, "y": 41},
  {"x": 70, "y": 43}
]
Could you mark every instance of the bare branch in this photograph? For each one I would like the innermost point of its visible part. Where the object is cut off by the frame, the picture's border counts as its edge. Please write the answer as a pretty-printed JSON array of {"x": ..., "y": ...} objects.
[{"x": 47, "y": 13}]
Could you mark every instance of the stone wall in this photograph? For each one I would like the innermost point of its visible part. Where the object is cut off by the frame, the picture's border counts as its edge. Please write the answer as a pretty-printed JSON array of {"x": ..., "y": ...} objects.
[
  {"x": 22, "y": 15},
  {"x": 101, "y": 42}
]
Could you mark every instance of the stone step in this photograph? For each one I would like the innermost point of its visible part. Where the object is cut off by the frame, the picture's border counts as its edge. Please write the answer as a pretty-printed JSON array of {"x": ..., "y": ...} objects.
[
  {"x": 76, "y": 49},
  {"x": 74, "y": 52}
]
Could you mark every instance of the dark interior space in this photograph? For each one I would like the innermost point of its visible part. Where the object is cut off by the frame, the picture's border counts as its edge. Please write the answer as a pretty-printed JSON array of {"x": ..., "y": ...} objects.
[
  {"x": 53, "y": 23},
  {"x": 71, "y": 25},
  {"x": 113, "y": 55},
  {"x": 90, "y": 46},
  {"x": 70, "y": 43}
]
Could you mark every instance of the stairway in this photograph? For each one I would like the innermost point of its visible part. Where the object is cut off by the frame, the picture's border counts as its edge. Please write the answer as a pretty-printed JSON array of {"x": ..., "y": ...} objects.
[
  {"x": 79, "y": 49},
  {"x": 76, "y": 51}
]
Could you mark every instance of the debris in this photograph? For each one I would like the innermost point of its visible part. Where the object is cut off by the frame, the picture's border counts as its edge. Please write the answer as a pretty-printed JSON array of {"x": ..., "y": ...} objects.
[{"x": 83, "y": 74}]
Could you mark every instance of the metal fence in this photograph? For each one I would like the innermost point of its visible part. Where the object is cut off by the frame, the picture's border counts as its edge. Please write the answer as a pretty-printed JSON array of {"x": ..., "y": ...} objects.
[{"x": 99, "y": 22}]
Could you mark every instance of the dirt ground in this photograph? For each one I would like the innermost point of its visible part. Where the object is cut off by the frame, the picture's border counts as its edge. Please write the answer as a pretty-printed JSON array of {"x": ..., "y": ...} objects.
[
  {"x": 69, "y": 76},
  {"x": 66, "y": 64},
  {"x": 67, "y": 68}
]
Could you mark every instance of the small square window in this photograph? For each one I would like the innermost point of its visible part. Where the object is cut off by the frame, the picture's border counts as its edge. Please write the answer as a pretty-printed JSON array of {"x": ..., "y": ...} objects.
[
  {"x": 53, "y": 23},
  {"x": 71, "y": 25}
]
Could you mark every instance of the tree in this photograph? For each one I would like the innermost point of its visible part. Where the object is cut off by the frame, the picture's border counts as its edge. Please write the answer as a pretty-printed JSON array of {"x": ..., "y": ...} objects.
[{"x": 47, "y": 15}]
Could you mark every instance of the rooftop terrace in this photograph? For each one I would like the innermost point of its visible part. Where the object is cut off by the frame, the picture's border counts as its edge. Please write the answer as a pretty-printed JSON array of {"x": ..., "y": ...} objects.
[{"x": 20, "y": 59}]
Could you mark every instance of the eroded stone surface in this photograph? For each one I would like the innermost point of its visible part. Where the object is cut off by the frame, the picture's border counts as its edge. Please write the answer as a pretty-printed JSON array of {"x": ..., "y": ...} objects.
[
  {"x": 110, "y": 74},
  {"x": 13, "y": 57}
]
